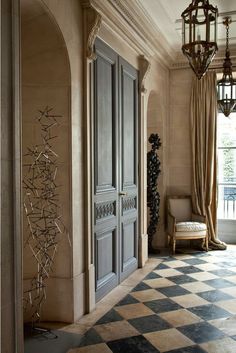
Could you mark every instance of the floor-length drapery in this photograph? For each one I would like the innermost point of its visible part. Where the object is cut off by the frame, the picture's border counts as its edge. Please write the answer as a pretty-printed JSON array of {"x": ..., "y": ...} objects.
[{"x": 203, "y": 114}]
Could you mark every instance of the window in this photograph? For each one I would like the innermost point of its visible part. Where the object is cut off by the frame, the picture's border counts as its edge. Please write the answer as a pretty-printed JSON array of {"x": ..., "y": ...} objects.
[{"x": 226, "y": 141}]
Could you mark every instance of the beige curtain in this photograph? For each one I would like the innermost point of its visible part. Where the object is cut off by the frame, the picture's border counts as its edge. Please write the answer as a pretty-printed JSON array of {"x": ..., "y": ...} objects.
[{"x": 203, "y": 114}]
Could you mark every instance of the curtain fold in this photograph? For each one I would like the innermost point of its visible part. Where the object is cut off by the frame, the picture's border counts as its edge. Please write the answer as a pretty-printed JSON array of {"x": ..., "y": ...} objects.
[{"x": 203, "y": 115}]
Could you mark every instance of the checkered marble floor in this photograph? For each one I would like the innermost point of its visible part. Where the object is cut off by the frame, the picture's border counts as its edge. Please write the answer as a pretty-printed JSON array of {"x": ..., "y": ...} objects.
[{"x": 187, "y": 304}]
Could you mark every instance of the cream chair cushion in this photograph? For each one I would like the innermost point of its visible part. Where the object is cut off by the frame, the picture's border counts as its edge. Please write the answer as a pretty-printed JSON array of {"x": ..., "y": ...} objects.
[{"x": 190, "y": 226}]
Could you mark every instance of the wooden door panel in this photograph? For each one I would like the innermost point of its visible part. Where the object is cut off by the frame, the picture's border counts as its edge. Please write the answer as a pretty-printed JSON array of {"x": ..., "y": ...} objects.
[
  {"x": 128, "y": 242},
  {"x": 105, "y": 266},
  {"x": 129, "y": 247},
  {"x": 105, "y": 130},
  {"x": 105, "y": 121},
  {"x": 129, "y": 204},
  {"x": 128, "y": 103},
  {"x": 128, "y": 129}
]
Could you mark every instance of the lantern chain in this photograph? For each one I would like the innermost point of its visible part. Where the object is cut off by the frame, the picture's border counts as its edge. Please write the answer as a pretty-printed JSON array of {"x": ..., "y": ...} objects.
[
  {"x": 227, "y": 21},
  {"x": 227, "y": 36}
]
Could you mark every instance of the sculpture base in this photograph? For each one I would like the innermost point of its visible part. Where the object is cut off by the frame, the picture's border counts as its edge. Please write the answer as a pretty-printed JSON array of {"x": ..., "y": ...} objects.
[
  {"x": 152, "y": 250},
  {"x": 31, "y": 330}
]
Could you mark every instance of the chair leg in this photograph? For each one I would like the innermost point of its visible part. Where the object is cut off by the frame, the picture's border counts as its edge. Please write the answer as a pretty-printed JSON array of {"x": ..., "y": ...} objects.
[
  {"x": 206, "y": 242},
  {"x": 173, "y": 245},
  {"x": 169, "y": 240}
]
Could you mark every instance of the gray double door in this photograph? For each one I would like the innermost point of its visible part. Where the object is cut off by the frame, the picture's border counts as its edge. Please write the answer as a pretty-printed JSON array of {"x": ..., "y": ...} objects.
[{"x": 115, "y": 169}]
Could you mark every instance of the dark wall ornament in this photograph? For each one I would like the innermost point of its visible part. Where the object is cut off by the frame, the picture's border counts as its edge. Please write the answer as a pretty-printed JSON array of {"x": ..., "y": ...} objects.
[{"x": 153, "y": 196}]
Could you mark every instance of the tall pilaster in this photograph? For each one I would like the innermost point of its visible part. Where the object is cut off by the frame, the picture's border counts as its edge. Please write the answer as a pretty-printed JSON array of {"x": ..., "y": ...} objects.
[{"x": 10, "y": 154}]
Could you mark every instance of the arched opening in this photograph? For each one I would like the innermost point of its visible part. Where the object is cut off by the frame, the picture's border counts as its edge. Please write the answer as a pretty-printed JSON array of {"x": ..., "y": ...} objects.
[
  {"x": 155, "y": 126},
  {"x": 46, "y": 82}
]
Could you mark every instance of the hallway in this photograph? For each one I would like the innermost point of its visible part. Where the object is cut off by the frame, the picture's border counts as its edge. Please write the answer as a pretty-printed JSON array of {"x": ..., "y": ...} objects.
[{"x": 183, "y": 304}]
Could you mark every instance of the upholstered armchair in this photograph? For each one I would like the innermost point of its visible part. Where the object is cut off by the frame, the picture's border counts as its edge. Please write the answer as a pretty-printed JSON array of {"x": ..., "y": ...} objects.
[{"x": 183, "y": 224}]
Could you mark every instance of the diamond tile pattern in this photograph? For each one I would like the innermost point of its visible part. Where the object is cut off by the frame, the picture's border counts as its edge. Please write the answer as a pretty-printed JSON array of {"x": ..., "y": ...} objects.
[{"x": 187, "y": 304}]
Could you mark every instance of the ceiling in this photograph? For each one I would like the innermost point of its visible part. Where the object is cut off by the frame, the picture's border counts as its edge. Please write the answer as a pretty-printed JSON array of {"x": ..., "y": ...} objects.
[{"x": 166, "y": 15}]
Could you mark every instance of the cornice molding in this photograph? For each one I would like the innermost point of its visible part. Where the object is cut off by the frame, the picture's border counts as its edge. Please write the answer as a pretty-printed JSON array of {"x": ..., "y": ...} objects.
[{"x": 140, "y": 19}]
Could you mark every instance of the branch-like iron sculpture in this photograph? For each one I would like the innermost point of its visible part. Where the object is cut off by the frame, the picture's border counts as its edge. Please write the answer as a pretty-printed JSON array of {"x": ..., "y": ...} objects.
[
  {"x": 153, "y": 196},
  {"x": 42, "y": 211}
]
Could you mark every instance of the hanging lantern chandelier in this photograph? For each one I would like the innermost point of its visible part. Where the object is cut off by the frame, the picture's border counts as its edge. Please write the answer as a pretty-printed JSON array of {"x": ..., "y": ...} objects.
[
  {"x": 227, "y": 85},
  {"x": 200, "y": 35}
]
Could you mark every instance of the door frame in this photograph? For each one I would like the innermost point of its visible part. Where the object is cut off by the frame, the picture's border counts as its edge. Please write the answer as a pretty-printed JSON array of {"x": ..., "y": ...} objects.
[
  {"x": 93, "y": 26},
  {"x": 121, "y": 64}
]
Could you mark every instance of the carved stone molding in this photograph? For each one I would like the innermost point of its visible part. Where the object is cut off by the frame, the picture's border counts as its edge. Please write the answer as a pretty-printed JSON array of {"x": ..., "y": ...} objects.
[
  {"x": 104, "y": 209},
  {"x": 144, "y": 68},
  {"x": 92, "y": 25},
  {"x": 129, "y": 204}
]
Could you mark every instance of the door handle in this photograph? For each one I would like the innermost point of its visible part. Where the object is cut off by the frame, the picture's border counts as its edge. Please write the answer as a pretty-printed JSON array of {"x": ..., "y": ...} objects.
[{"x": 123, "y": 193}]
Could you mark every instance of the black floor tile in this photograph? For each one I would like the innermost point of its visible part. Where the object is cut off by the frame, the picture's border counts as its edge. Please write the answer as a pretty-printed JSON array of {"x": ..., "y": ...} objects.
[
  {"x": 169, "y": 259},
  {"x": 215, "y": 296},
  {"x": 152, "y": 275},
  {"x": 210, "y": 312},
  {"x": 181, "y": 279},
  {"x": 110, "y": 316},
  {"x": 128, "y": 299},
  {"x": 162, "y": 305},
  {"x": 161, "y": 266},
  {"x": 173, "y": 291},
  {"x": 192, "y": 349},
  {"x": 195, "y": 253},
  {"x": 189, "y": 269},
  {"x": 141, "y": 286},
  {"x": 227, "y": 264},
  {"x": 137, "y": 344},
  {"x": 90, "y": 337},
  {"x": 202, "y": 254},
  {"x": 219, "y": 283},
  {"x": 195, "y": 261},
  {"x": 201, "y": 332},
  {"x": 149, "y": 324},
  {"x": 223, "y": 273}
]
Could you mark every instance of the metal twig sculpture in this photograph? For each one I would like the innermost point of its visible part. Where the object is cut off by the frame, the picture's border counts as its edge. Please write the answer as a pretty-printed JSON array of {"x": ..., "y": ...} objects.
[
  {"x": 42, "y": 210},
  {"x": 153, "y": 196}
]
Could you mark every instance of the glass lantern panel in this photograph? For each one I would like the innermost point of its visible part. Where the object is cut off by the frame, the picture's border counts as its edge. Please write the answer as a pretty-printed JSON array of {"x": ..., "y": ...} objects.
[
  {"x": 187, "y": 33},
  {"x": 220, "y": 92},
  {"x": 186, "y": 29},
  {"x": 212, "y": 37},
  {"x": 234, "y": 91},
  {"x": 234, "y": 86},
  {"x": 200, "y": 14},
  {"x": 227, "y": 91}
]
